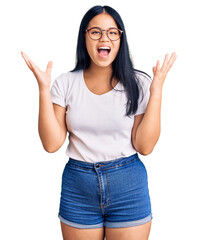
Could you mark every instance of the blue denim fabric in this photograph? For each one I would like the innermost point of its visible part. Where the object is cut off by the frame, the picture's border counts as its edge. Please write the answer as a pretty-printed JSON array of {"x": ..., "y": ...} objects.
[{"x": 112, "y": 193}]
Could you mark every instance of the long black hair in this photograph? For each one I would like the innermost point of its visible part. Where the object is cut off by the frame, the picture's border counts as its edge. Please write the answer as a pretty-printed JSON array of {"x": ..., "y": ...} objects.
[{"x": 122, "y": 66}]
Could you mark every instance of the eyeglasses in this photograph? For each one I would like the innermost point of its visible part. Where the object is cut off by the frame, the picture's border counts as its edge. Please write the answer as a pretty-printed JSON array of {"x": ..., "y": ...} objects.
[{"x": 96, "y": 33}]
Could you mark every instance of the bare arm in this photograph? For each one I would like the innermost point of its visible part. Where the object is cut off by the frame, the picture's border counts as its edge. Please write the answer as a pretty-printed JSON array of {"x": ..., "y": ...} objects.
[
  {"x": 51, "y": 122},
  {"x": 147, "y": 126},
  {"x": 146, "y": 129}
]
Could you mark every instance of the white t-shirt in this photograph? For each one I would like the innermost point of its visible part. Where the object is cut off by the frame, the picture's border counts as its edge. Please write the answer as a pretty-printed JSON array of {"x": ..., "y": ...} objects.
[{"x": 97, "y": 126}]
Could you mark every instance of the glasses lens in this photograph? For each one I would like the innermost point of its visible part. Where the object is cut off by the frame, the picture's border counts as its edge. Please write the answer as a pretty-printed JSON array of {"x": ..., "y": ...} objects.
[
  {"x": 95, "y": 33},
  {"x": 114, "y": 34}
]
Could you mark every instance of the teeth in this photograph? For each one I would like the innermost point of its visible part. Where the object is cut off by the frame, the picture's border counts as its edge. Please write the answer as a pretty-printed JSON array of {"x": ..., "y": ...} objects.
[{"x": 108, "y": 48}]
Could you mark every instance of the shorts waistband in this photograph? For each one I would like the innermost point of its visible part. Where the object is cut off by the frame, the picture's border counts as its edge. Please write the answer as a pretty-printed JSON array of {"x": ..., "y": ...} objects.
[{"x": 104, "y": 164}]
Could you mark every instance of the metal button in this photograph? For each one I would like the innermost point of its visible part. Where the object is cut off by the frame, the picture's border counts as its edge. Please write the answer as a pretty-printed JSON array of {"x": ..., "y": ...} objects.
[{"x": 97, "y": 165}]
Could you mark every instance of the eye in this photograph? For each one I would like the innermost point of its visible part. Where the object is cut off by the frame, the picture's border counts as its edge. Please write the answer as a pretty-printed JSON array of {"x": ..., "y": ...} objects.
[
  {"x": 95, "y": 32},
  {"x": 113, "y": 32}
]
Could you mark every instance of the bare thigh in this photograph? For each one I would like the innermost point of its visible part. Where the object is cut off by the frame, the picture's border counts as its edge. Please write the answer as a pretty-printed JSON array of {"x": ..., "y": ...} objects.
[
  {"x": 71, "y": 233},
  {"x": 140, "y": 232}
]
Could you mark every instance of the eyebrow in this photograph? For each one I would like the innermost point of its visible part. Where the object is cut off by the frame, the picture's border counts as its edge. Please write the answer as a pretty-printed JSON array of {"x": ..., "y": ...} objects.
[{"x": 101, "y": 28}]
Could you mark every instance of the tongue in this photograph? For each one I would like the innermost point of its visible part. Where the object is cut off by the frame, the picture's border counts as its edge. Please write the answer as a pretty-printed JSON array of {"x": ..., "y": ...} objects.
[{"x": 103, "y": 52}]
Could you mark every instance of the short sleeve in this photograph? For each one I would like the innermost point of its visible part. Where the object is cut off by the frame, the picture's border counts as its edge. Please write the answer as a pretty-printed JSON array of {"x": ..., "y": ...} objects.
[
  {"x": 58, "y": 90},
  {"x": 144, "y": 82}
]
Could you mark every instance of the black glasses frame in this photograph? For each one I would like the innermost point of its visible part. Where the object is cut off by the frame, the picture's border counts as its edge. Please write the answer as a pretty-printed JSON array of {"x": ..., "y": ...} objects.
[{"x": 120, "y": 31}]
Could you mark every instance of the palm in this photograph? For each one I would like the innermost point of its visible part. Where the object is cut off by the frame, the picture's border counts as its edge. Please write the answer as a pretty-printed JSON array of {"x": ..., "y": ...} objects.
[
  {"x": 43, "y": 78},
  {"x": 159, "y": 74}
]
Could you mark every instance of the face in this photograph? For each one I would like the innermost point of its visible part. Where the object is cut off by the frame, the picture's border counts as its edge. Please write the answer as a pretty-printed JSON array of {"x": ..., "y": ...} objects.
[{"x": 98, "y": 57}]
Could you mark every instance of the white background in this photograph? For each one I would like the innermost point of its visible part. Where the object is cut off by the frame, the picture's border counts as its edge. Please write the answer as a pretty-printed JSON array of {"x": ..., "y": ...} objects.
[{"x": 30, "y": 178}]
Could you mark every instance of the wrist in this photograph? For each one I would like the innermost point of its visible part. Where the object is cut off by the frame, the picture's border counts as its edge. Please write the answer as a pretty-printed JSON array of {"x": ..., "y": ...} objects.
[
  {"x": 157, "y": 92},
  {"x": 44, "y": 89}
]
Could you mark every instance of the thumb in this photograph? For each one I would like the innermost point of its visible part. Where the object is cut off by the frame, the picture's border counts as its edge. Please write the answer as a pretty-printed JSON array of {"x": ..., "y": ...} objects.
[{"x": 49, "y": 67}]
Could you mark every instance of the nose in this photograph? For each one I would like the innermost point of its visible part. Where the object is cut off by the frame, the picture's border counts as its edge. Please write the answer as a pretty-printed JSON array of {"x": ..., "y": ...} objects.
[{"x": 104, "y": 36}]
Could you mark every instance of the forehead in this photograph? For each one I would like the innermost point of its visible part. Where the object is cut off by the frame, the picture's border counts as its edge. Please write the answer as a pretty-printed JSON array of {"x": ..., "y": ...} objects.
[{"x": 103, "y": 21}]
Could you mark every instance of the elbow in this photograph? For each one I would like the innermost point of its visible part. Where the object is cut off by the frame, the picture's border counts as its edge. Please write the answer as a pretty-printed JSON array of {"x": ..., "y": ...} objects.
[
  {"x": 144, "y": 150},
  {"x": 52, "y": 146},
  {"x": 146, "y": 147},
  {"x": 51, "y": 149},
  {"x": 53, "y": 143}
]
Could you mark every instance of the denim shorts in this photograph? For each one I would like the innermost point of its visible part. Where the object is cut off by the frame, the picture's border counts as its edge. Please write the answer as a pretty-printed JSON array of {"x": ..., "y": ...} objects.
[{"x": 113, "y": 194}]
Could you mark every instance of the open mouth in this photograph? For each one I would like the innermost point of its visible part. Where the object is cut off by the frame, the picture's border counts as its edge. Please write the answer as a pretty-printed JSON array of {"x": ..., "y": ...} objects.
[{"x": 104, "y": 51}]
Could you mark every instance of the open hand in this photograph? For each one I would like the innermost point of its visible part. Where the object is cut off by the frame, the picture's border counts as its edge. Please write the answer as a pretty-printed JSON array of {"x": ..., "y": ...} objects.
[
  {"x": 43, "y": 78},
  {"x": 159, "y": 74}
]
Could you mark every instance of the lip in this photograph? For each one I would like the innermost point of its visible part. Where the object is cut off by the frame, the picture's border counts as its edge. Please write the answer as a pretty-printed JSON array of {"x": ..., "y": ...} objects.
[
  {"x": 103, "y": 45},
  {"x": 99, "y": 53}
]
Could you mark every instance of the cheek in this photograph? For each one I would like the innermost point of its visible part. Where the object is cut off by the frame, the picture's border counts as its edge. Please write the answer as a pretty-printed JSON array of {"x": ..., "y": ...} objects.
[
  {"x": 90, "y": 47},
  {"x": 117, "y": 47},
  {"x": 90, "y": 51}
]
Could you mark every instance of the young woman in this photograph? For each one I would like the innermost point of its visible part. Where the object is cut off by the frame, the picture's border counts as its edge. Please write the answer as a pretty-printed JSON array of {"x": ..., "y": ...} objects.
[{"x": 111, "y": 112}]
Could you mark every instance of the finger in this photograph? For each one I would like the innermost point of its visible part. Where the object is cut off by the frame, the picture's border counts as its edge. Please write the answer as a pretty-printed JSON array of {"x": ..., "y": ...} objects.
[
  {"x": 25, "y": 56},
  {"x": 158, "y": 66},
  {"x": 165, "y": 62},
  {"x": 154, "y": 70},
  {"x": 49, "y": 67},
  {"x": 26, "y": 60},
  {"x": 31, "y": 62},
  {"x": 171, "y": 61}
]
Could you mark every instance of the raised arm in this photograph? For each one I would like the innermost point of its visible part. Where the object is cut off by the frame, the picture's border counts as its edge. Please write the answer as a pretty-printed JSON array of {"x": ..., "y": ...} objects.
[
  {"x": 146, "y": 130},
  {"x": 51, "y": 122}
]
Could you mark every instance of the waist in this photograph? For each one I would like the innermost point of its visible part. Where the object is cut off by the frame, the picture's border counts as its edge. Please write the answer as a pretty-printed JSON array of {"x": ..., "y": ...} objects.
[{"x": 105, "y": 164}]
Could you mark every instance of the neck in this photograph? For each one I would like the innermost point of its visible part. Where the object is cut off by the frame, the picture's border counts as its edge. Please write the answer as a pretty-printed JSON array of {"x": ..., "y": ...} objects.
[{"x": 102, "y": 73}]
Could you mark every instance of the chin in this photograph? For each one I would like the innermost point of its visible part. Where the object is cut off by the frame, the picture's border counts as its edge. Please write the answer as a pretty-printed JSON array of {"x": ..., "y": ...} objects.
[{"x": 103, "y": 64}]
